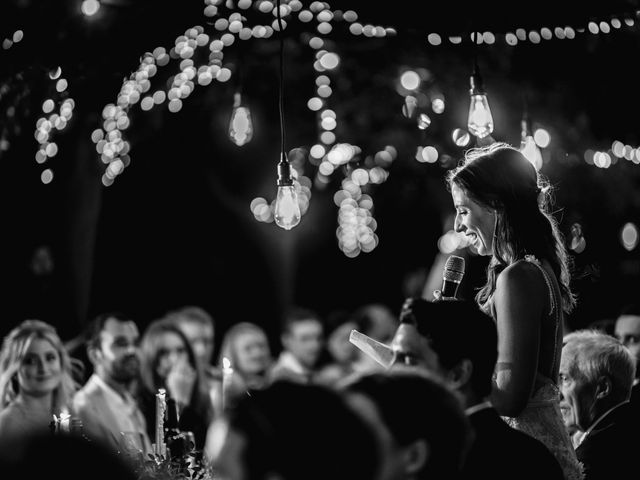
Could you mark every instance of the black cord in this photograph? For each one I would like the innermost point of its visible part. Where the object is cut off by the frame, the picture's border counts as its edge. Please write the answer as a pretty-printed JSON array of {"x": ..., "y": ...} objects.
[
  {"x": 474, "y": 39},
  {"x": 281, "y": 82}
]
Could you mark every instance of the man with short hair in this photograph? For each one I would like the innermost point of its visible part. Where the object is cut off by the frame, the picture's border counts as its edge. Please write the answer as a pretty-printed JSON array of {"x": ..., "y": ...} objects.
[
  {"x": 457, "y": 343},
  {"x": 302, "y": 341},
  {"x": 627, "y": 330},
  {"x": 105, "y": 404},
  {"x": 596, "y": 374}
]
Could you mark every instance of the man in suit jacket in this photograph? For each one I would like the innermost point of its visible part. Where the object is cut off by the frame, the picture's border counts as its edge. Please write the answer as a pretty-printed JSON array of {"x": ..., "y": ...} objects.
[
  {"x": 109, "y": 412},
  {"x": 457, "y": 342},
  {"x": 627, "y": 330},
  {"x": 596, "y": 374}
]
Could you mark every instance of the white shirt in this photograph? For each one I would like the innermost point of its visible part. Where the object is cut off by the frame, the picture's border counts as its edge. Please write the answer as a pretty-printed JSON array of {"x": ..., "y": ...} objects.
[{"x": 108, "y": 413}]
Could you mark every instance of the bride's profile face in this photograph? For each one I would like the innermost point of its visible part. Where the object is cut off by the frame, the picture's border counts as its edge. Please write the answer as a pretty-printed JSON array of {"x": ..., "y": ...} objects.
[
  {"x": 474, "y": 221},
  {"x": 40, "y": 371}
]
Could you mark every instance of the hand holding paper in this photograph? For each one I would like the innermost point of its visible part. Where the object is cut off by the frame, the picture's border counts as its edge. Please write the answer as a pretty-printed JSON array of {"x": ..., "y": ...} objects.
[{"x": 381, "y": 353}]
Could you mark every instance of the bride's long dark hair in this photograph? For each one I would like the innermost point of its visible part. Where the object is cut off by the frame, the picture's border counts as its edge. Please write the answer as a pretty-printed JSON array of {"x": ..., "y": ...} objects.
[{"x": 499, "y": 177}]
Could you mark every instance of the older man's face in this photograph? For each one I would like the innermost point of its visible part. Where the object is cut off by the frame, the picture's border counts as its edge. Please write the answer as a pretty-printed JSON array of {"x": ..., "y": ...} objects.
[
  {"x": 411, "y": 348},
  {"x": 578, "y": 397}
]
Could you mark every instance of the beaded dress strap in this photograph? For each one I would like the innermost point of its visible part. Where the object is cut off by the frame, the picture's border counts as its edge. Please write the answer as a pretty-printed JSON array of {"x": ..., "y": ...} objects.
[{"x": 552, "y": 302}]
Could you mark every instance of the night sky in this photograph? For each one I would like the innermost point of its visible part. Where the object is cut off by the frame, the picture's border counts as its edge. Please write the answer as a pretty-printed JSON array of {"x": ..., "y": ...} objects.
[{"x": 176, "y": 226}]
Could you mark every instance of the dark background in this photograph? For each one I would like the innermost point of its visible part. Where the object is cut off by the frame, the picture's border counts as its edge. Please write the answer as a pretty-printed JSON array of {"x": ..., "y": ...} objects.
[{"x": 176, "y": 228}]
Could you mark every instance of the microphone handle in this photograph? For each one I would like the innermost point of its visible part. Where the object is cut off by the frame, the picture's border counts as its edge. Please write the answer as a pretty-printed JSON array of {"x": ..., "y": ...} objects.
[{"x": 449, "y": 288}]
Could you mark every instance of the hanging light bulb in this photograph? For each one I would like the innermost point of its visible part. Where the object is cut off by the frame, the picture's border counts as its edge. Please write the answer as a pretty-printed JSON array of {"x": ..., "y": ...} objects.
[
  {"x": 528, "y": 146},
  {"x": 480, "y": 121},
  {"x": 287, "y": 211},
  {"x": 240, "y": 125}
]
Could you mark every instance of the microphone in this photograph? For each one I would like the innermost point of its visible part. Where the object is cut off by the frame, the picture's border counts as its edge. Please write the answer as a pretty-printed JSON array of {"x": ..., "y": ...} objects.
[{"x": 452, "y": 275}]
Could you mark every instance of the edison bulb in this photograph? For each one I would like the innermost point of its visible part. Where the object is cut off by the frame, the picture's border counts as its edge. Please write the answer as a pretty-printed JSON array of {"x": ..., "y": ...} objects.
[
  {"x": 240, "y": 124},
  {"x": 287, "y": 210},
  {"x": 480, "y": 119},
  {"x": 530, "y": 150}
]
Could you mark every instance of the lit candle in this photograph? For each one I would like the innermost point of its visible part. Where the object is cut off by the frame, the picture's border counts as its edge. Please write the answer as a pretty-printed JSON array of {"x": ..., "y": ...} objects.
[
  {"x": 227, "y": 377},
  {"x": 159, "y": 446},
  {"x": 65, "y": 419}
]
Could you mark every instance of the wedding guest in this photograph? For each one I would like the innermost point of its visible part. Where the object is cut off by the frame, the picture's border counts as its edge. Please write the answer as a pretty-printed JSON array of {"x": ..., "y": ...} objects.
[
  {"x": 106, "y": 404},
  {"x": 246, "y": 347},
  {"x": 292, "y": 431},
  {"x": 199, "y": 328},
  {"x": 458, "y": 343},
  {"x": 168, "y": 362},
  {"x": 36, "y": 379},
  {"x": 627, "y": 330},
  {"x": 596, "y": 373},
  {"x": 421, "y": 425},
  {"x": 343, "y": 354},
  {"x": 302, "y": 341},
  {"x": 501, "y": 204}
]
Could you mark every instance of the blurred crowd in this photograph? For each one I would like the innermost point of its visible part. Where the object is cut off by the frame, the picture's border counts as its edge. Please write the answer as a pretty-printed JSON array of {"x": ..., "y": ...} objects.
[{"x": 319, "y": 408}]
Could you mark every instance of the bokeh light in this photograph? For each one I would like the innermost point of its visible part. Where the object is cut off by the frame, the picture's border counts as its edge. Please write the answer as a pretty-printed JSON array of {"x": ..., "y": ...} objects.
[
  {"x": 629, "y": 236},
  {"x": 90, "y": 7},
  {"x": 410, "y": 80},
  {"x": 542, "y": 137}
]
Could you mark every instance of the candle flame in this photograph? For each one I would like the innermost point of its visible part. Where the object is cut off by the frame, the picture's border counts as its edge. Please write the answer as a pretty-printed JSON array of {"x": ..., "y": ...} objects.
[{"x": 226, "y": 363}]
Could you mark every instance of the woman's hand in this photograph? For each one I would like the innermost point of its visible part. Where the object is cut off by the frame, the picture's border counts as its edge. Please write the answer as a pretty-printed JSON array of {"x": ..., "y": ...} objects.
[{"x": 180, "y": 382}]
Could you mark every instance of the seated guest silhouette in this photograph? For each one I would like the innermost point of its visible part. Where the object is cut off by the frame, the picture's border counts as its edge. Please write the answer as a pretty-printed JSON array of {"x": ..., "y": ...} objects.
[
  {"x": 302, "y": 341},
  {"x": 36, "y": 379},
  {"x": 37, "y": 456},
  {"x": 292, "y": 431},
  {"x": 420, "y": 423},
  {"x": 596, "y": 374},
  {"x": 106, "y": 404},
  {"x": 627, "y": 330},
  {"x": 458, "y": 343}
]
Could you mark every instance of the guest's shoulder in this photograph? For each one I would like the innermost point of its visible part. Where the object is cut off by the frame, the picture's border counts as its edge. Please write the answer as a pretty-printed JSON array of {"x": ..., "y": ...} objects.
[{"x": 9, "y": 424}]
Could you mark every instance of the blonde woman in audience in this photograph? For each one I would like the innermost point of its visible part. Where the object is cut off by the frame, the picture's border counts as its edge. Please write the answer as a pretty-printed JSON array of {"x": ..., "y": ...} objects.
[
  {"x": 246, "y": 347},
  {"x": 36, "y": 379}
]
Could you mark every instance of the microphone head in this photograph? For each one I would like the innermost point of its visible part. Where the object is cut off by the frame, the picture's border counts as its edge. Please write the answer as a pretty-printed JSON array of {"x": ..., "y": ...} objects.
[{"x": 453, "y": 269}]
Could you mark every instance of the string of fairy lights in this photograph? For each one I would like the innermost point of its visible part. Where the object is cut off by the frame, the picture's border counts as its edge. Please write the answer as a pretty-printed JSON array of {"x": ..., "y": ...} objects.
[
  {"x": 361, "y": 171},
  {"x": 536, "y": 35}
]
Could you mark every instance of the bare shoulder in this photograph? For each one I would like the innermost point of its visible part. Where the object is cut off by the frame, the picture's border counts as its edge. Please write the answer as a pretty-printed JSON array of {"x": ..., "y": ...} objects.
[{"x": 521, "y": 275}]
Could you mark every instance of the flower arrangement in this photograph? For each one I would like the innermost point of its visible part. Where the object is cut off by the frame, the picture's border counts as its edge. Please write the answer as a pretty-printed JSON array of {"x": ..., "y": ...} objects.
[{"x": 186, "y": 467}]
